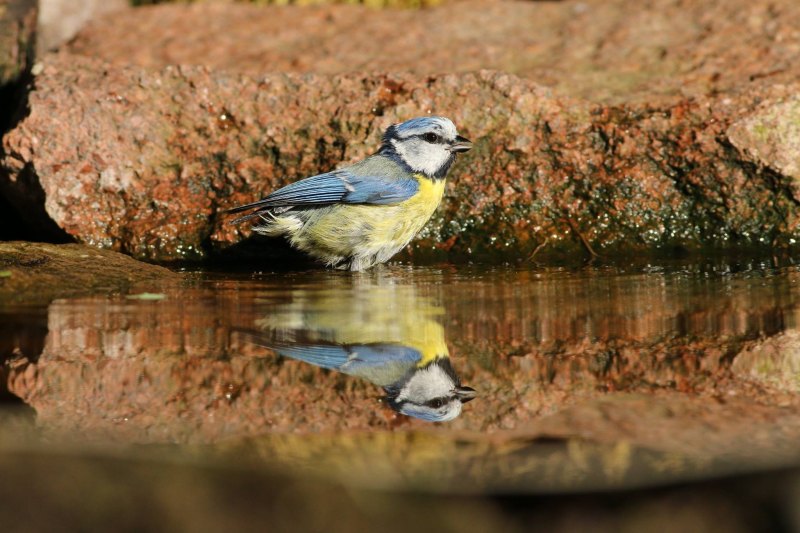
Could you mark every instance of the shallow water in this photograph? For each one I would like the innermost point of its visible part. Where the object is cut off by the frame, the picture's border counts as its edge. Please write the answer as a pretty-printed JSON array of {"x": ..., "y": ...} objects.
[{"x": 621, "y": 366}]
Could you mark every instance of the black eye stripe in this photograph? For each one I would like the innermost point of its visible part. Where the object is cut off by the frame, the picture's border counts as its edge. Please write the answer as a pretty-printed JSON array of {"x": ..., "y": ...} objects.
[
  {"x": 431, "y": 137},
  {"x": 437, "y": 402}
]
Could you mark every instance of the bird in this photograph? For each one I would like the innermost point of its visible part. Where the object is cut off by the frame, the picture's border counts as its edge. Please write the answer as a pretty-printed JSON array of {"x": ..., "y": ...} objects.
[
  {"x": 418, "y": 383},
  {"x": 361, "y": 215},
  {"x": 377, "y": 330}
]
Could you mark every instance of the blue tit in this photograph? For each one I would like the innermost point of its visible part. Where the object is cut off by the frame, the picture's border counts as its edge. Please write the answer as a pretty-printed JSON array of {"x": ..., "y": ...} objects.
[
  {"x": 416, "y": 384},
  {"x": 377, "y": 330},
  {"x": 362, "y": 215}
]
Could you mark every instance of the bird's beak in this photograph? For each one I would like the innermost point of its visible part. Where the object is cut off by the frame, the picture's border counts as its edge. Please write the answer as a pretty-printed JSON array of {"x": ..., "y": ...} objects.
[
  {"x": 466, "y": 394},
  {"x": 462, "y": 144}
]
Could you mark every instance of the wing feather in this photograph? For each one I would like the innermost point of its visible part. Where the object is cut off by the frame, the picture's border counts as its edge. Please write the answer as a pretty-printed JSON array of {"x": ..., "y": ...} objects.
[
  {"x": 335, "y": 356},
  {"x": 339, "y": 186}
]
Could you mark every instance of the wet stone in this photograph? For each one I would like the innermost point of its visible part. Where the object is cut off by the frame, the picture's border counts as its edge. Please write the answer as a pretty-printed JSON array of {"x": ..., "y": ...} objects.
[{"x": 34, "y": 273}]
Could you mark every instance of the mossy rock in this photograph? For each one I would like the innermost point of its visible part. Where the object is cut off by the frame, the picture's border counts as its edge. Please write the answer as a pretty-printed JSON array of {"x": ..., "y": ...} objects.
[{"x": 37, "y": 272}]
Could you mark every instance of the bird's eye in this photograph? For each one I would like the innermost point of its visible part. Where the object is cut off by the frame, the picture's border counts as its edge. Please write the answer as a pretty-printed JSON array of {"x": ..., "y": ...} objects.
[
  {"x": 431, "y": 137},
  {"x": 436, "y": 403}
]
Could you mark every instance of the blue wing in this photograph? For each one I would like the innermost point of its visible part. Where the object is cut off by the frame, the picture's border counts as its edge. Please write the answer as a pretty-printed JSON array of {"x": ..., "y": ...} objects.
[
  {"x": 334, "y": 356},
  {"x": 339, "y": 186}
]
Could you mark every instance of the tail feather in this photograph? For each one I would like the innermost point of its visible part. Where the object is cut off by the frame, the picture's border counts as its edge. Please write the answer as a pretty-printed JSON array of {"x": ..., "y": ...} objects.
[
  {"x": 247, "y": 207},
  {"x": 272, "y": 211},
  {"x": 245, "y": 217}
]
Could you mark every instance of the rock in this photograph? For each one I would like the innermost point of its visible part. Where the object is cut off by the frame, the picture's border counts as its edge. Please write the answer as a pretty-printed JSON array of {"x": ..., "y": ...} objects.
[
  {"x": 610, "y": 50},
  {"x": 17, "y": 36},
  {"x": 770, "y": 136},
  {"x": 774, "y": 361},
  {"x": 17, "y": 30},
  {"x": 603, "y": 137},
  {"x": 159, "y": 155},
  {"x": 37, "y": 272},
  {"x": 60, "y": 20}
]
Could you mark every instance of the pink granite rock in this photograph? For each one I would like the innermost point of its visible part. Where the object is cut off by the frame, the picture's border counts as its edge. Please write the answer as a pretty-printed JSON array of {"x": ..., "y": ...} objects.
[{"x": 146, "y": 160}]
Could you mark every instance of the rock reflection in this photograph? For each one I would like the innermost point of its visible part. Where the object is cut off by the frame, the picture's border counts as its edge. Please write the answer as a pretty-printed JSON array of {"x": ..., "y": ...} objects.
[
  {"x": 384, "y": 333},
  {"x": 534, "y": 342}
]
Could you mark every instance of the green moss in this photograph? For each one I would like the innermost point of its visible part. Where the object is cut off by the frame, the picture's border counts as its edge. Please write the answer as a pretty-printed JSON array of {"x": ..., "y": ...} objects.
[{"x": 761, "y": 131}]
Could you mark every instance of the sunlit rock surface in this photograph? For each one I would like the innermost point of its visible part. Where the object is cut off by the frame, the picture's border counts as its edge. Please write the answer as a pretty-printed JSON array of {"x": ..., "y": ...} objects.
[
  {"x": 592, "y": 136},
  {"x": 606, "y": 50},
  {"x": 770, "y": 136}
]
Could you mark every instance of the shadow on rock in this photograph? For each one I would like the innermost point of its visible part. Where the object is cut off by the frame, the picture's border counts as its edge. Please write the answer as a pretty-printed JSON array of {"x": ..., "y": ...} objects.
[{"x": 259, "y": 252}]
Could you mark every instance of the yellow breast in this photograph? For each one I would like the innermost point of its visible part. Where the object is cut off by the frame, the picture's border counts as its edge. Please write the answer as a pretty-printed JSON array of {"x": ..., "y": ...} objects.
[
  {"x": 406, "y": 219},
  {"x": 368, "y": 234},
  {"x": 393, "y": 226},
  {"x": 428, "y": 339},
  {"x": 428, "y": 197}
]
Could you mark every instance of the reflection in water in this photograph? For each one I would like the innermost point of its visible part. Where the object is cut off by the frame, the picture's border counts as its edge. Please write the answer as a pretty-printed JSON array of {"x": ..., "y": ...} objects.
[
  {"x": 588, "y": 378},
  {"x": 383, "y": 333},
  {"x": 537, "y": 341}
]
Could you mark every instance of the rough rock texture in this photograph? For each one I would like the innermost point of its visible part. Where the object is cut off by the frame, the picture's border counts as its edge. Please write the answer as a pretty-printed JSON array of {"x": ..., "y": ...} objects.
[
  {"x": 158, "y": 155},
  {"x": 775, "y": 362},
  {"x": 647, "y": 138},
  {"x": 36, "y": 272},
  {"x": 17, "y": 36},
  {"x": 770, "y": 136}
]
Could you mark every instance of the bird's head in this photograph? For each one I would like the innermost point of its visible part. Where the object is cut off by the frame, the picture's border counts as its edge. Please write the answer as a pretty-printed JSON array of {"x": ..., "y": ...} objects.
[
  {"x": 432, "y": 392},
  {"x": 428, "y": 145}
]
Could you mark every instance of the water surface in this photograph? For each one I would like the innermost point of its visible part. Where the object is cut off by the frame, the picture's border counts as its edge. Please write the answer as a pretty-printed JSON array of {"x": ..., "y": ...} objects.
[{"x": 697, "y": 360}]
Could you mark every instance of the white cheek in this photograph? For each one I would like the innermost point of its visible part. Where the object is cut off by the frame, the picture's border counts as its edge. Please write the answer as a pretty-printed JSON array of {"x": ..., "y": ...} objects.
[
  {"x": 435, "y": 156},
  {"x": 431, "y": 382},
  {"x": 423, "y": 157}
]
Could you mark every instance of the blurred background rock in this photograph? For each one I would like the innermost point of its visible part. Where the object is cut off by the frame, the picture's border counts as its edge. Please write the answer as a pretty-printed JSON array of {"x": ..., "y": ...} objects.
[
  {"x": 60, "y": 20},
  {"x": 370, "y": 3}
]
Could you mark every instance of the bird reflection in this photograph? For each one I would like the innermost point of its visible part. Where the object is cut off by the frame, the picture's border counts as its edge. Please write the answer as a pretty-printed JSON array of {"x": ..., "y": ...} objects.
[{"x": 378, "y": 331}]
